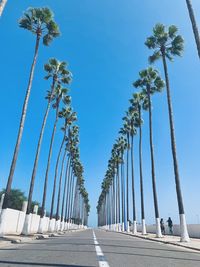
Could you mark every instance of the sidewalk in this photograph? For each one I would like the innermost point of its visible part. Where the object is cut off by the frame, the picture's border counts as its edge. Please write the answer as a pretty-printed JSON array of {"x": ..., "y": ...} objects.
[
  {"x": 169, "y": 239},
  {"x": 8, "y": 239}
]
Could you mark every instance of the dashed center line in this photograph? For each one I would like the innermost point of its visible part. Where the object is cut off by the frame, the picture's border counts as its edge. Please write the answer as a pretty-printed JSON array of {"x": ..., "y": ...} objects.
[{"x": 100, "y": 255}]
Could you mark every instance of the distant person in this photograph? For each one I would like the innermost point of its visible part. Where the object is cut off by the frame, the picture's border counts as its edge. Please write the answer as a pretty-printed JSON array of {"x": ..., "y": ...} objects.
[
  {"x": 170, "y": 225},
  {"x": 162, "y": 226}
]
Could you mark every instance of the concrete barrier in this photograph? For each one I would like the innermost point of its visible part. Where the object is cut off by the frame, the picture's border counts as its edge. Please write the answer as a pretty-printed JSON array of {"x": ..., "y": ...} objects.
[
  {"x": 57, "y": 227},
  {"x": 62, "y": 225},
  {"x": 43, "y": 225},
  {"x": 31, "y": 224},
  {"x": 52, "y": 224},
  {"x": 11, "y": 222}
]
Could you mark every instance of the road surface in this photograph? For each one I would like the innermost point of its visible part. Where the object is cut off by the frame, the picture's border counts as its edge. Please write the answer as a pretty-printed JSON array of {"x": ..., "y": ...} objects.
[{"x": 97, "y": 248}]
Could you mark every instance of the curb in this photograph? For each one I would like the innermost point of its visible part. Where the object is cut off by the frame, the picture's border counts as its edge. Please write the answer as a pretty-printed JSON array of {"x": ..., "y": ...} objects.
[
  {"x": 160, "y": 241},
  {"x": 8, "y": 240}
]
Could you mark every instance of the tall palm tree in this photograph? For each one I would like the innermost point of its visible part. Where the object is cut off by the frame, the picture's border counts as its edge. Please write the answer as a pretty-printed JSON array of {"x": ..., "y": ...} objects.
[
  {"x": 122, "y": 142},
  {"x": 65, "y": 188},
  {"x": 69, "y": 117},
  {"x": 68, "y": 121},
  {"x": 150, "y": 83},
  {"x": 130, "y": 118},
  {"x": 2, "y": 6},
  {"x": 126, "y": 132},
  {"x": 194, "y": 25},
  {"x": 60, "y": 184},
  {"x": 118, "y": 160},
  {"x": 166, "y": 44},
  {"x": 70, "y": 173},
  {"x": 60, "y": 94},
  {"x": 40, "y": 22},
  {"x": 136, "y": 107},
  {"x": 59, "y": 74}
]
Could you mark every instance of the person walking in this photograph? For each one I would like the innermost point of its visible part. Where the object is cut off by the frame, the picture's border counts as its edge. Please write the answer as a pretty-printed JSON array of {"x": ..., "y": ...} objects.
[
  {"x": 162, "y": 226},
  {"x": 170, "y": 225}
]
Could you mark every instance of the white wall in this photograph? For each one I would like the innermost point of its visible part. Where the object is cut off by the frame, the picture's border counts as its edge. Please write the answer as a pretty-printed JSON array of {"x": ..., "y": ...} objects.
[
  {"x": 35, "y": 220},
  {"x": 11, "y": 222},
  {"x": 193, "y": 229}
]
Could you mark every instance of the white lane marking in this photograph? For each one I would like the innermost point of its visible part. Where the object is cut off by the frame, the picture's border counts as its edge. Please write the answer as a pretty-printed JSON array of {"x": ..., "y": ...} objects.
[{"x": 100, "y": 255}]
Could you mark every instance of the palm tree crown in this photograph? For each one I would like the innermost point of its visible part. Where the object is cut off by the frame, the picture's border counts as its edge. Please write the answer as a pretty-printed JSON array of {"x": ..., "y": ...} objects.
[
  {"x": 165, "y": 42},
  {"x": 40, "y": 22}
]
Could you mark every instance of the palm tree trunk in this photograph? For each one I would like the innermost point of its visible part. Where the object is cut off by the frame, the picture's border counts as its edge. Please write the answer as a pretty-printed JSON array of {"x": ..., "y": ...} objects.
[
  {"x": 194, "y": 25},
  {"x": 65, "y": 187},
  {"x": 133, "y": 187},
  {"x": 183, "y": 225},
  {"x": 158, "y": 229},
  {"x": 56, "y": 174},
  {"x": 60, "y": 183},
  {"x": 123, "y": 194},
  {"x": 116, "y": 201},
  {"x": 72, "y": 199},
  {"x": 75, "y": 210},
  {"x": 141, "y": 177},
  {"x": 114, "y": 213},
  {"x": 70, "y": 195},
  {"x": 67, "y": 194},
  {"x": 38, "y": 151},
  {"x": 2, "y": 6},
  {"x": 21, "y": 127},
  {"x": 111, "y": 205},
  {"x": 48, "y": 165},
  {"x": 118, "y": 196},
  {"x": 127, "y": 183}
]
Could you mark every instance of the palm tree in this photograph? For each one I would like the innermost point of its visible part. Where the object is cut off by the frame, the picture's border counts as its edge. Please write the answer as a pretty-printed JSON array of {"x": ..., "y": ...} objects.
[
  {"x": 118, "y": 160},
  {"x": 126, "y": 132},
  {"x": 122, "y": 142},
  {"x": 136, "y": 102},
  {"x": 65, "y": 188},
  {"x": 69, "y": 117},
  {"x": 72, "y": 134},
  {"x": 40, "y": 22},
  {"x": 194, "y": 25},
  {"x": 166, "y": 44},
  {"x": 59, "y": 74},
  {"x": 130, "y": 118},
  {"x": 60, "y": 93},
  {"x": 60, "y": 183},
  {"x": 70, "y": 173},
  {"x": 150, "y": 83},
  {"x": 2, "y": 6}
]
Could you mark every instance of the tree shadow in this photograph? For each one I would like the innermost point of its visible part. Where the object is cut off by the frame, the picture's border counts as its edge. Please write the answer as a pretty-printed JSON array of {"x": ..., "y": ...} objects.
[
  {"x": 153, "y": 256},
  {"x": 15, "y": 263},
  {"x": 175, "y": 250}
]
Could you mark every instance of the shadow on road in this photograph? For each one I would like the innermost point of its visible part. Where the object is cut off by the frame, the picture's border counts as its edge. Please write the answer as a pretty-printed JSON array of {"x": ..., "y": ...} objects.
[{"x": 15, "y": 263}]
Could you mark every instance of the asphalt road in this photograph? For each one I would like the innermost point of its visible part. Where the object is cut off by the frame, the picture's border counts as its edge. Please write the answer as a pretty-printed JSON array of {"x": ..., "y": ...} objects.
[{"x": 98, "y": 248}]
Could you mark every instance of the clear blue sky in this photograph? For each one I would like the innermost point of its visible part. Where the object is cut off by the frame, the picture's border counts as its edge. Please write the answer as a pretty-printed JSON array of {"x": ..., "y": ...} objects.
[{"x": 103, "y": 42}]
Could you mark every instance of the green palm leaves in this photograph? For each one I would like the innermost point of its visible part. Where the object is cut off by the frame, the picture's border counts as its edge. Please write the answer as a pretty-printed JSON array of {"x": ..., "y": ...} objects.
[
  {"x": 149, "y": 82},
  {"x": 167, "y": 44},
  {"x": 165, "y": 41},
  {"x": 40, "y": 21},
  {"x": 58, "y": 71}
]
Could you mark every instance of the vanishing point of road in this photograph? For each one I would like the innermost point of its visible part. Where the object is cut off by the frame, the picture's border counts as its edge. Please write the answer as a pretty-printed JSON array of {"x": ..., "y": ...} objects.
[{"x": 92, "y": 248}]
